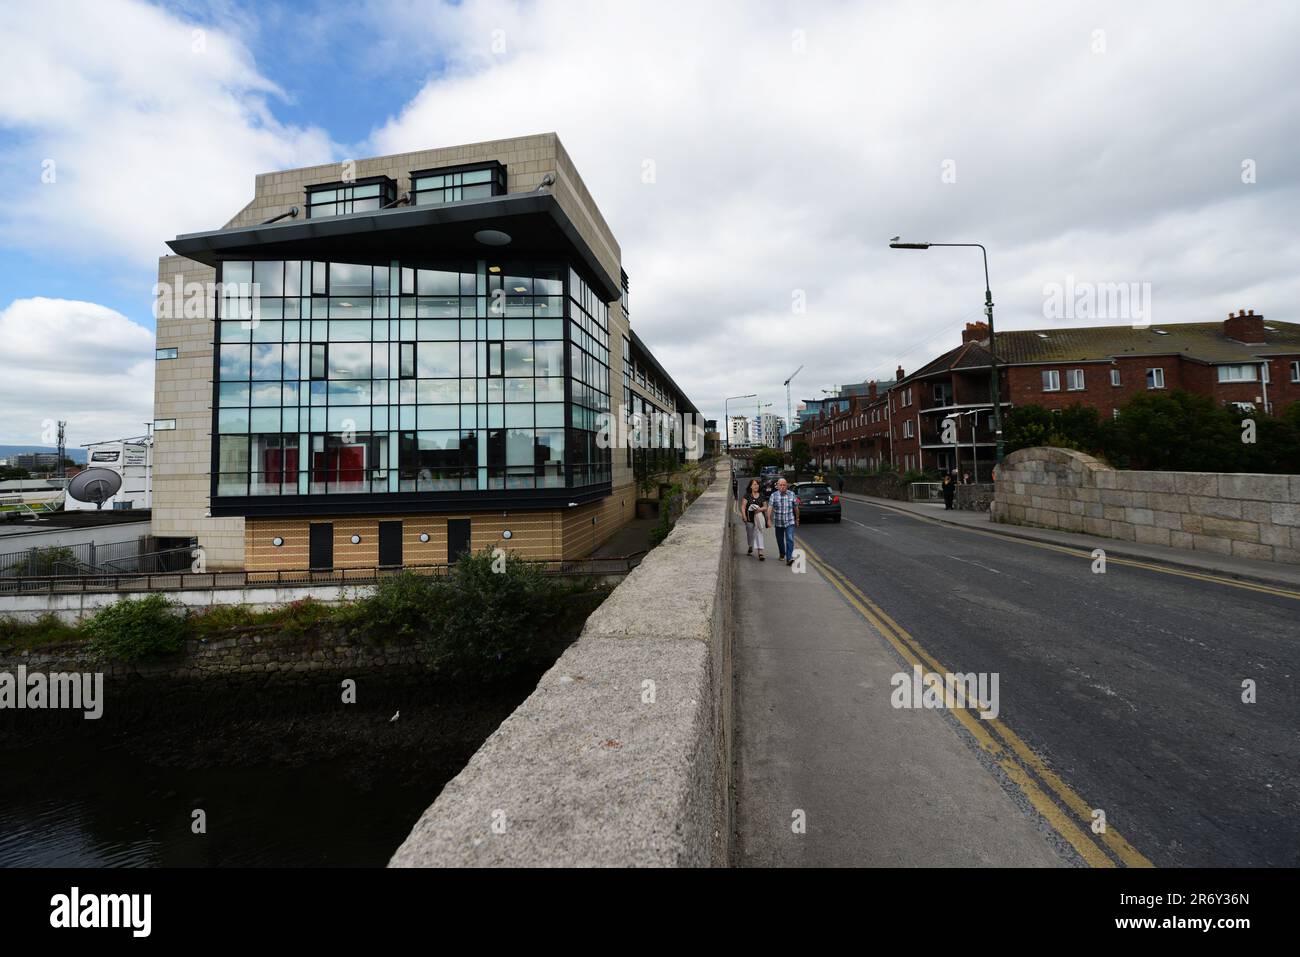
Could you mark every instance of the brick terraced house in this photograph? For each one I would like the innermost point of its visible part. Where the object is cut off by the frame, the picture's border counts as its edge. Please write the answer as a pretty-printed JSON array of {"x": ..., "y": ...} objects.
[{"x": 1243, "y": 360}]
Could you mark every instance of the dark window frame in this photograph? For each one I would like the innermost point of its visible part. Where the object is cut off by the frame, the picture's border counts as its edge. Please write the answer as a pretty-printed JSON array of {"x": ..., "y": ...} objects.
[
  {"x": 497, "y": 180},
  {"x": 387, "y": 193}
]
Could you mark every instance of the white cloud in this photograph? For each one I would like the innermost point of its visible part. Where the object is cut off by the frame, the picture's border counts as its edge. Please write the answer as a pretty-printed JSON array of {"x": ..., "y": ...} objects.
[
  {"x": 153, "y": 129},
  {"x": 76, "y": 361},
  {"x": 780, "y": 168}
]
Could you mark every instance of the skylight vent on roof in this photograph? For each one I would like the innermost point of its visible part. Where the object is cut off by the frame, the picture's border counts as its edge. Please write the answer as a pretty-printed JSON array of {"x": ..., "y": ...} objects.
[
  {"x": 1041, "y": 335},
  {"x": 1160, "y": 332}
]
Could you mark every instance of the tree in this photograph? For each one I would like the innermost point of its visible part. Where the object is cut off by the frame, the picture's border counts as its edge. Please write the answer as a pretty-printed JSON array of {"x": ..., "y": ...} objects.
[
  {"x": 1077, "y": 427},
  {"x": 765, "y": 456},
  {"x": 1178, "y": 431},
  {"x": 803, "y": 455}
]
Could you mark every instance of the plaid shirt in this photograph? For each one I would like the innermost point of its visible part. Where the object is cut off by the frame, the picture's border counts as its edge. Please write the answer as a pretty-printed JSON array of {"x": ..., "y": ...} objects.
[{"x": 782, "y": 507}]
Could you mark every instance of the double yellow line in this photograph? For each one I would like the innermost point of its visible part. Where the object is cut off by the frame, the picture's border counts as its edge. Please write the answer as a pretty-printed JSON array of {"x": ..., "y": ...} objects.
[{"x": 1038, "y": 783}]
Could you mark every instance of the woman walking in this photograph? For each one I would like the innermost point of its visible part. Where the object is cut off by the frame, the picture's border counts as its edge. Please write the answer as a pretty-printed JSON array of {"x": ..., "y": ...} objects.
[{"x": 753, "y": 511}]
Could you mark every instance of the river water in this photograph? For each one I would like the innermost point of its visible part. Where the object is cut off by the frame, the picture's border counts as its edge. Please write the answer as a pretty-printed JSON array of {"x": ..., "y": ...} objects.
[{"x": 294, "y": 788}]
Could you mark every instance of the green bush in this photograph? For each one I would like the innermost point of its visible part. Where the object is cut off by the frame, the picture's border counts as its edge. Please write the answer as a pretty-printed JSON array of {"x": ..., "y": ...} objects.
[
  {"x": 401, "y": 608},
  {"x": 135, "y": 630},
  {"x": 493, "y": 616},
  {"x": 48, "y": 629}
]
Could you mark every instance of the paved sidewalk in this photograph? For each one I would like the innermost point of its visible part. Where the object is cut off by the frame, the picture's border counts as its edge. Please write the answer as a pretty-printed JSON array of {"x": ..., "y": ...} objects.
[
  {"x": 1272, "y": 573},
  {"x": 817, "y": 736}
]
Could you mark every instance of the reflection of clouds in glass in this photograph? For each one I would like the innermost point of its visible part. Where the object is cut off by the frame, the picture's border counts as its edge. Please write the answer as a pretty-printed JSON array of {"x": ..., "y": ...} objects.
[{"x": 266, "y": 361}]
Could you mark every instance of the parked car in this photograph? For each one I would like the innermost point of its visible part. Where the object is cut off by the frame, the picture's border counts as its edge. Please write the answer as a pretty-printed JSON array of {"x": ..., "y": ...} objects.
[{"x": 817, "y": 501}]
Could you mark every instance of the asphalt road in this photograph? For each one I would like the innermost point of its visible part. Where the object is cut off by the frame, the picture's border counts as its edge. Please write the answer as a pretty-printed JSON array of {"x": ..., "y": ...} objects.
[
  {"x": 1123, "y": 689},
  {"x": 1127, "y": 686}
]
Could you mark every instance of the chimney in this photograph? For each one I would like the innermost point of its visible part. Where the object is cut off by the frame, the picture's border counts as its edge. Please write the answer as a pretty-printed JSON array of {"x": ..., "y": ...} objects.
[
  {"x": 974, "y": 331},
  {"x": 871, "y": 389},
  {"x": 898, "y": 374},
  {"x": 1244, "y": 326}
]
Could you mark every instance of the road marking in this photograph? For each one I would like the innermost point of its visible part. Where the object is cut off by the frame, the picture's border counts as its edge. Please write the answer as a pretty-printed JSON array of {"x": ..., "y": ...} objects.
[
  {"x": 1074, "y": 832},
  {"x": 872, "y": 527},
  {"x": 976, "y": 564},
  {"x": 1110, "y": 560}
]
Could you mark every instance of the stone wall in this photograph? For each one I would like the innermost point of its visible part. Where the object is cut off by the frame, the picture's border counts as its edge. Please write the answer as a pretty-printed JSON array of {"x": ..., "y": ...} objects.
[
  {"x": 1246, "y": 515},
  {"x": 237, "y": 654},
  {"x": 621, "y": 757}
]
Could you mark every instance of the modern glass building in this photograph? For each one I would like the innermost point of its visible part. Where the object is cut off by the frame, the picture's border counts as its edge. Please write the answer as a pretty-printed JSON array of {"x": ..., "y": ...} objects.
[{"x": 408, "y": 363}]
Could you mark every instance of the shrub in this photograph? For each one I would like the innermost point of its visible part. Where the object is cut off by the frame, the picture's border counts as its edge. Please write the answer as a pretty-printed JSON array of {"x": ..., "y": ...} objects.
[
  {"x": 493, "y": 616},
  {"x": 135, "y": 630},
  {"x": 402, "y": 607},
  {"x": 48, "y": 629}
]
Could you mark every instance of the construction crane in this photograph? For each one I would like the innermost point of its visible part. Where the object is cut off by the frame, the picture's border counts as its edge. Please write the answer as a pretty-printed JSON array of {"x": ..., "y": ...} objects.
[{"x": 789, "y": 420}]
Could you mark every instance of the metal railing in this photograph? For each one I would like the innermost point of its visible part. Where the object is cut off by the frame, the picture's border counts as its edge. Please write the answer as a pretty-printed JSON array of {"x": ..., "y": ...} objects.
[
  {"x": 925, "y": 492},
  {"x": 183, "y": 580},
  {"x": 89, "y": 558}
]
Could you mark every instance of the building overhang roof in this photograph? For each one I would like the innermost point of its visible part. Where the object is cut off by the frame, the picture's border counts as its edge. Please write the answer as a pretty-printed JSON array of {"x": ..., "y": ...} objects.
[{"x": 535, "y": 222}]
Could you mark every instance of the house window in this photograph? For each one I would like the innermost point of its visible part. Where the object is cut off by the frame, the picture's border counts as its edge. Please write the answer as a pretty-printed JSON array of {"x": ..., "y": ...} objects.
[
  {"x": 338, "y": 199},
  {"x": 1074, "y": 379},
  {"x": 1114, "y": 377},
  {"x": 165, "y": 353},
  {"x": 1264, "y": 368},
  {"x": 1155, "y": 378},
  {"x": 1051, "y": 381},
  {"x": 1114, "y": 414},
  {"x": 907, "y": 429},
  {"x": 455, "y": 183},
  {"x": 1245, "y": 372},
  {"x": 907, "y": 396},
  {"x": 1295, "y": 371}
]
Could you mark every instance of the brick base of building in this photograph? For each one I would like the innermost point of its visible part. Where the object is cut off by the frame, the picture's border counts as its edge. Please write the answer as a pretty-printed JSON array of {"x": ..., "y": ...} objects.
[{"x": 547, "y": 535}]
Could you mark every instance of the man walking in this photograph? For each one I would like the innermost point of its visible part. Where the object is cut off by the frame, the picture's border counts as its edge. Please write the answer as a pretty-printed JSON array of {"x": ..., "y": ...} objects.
[{"x": 785, "y": 516}]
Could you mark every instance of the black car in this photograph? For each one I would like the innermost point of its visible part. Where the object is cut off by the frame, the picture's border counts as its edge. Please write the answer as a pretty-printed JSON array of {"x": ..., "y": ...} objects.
[{"x": 817, "y": 500}]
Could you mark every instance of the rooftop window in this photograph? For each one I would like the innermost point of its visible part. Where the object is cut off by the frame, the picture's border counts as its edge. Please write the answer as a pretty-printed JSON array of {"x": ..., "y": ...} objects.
[
  {"x": 362, "y": 196},
  {"x": 455, "y": 183}
]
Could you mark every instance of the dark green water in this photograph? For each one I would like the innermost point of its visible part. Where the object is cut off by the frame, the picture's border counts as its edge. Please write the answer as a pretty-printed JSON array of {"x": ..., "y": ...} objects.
[{"x": 302, "y": 785}]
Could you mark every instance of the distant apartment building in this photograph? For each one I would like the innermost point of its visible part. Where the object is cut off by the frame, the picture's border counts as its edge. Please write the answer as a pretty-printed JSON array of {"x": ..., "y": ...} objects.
[
  {"x": 1242, "y": 360},
  {"x": 739, "y": 432},
  {"x": 35, "y": 461},
  {"x": 410, "y": 356}
]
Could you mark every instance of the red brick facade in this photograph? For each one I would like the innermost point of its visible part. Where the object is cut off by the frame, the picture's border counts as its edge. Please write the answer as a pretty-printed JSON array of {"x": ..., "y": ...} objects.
[{"x": 902, "y": 425}]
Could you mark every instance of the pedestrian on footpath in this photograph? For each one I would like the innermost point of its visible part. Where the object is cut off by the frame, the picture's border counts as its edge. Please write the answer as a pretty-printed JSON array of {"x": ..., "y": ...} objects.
[
  {"x": 966, "y": 479},
  {"x": 784, "y": 508},
  {"x": 735, "y": 486},
  {"x": 754, "y": 511},
  {"x": 840, "y": 482},
  {"x": 949, "y": 489}
]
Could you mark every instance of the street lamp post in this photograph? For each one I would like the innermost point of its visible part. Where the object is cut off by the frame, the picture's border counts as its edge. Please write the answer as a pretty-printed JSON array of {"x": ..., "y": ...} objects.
[{"x": 995, "y": 393}]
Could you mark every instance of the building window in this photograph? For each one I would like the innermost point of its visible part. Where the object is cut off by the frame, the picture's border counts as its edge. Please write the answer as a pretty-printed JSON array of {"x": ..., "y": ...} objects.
[
  {"x": 378, "y": 352},
  {"x": 1263, "y": 366},
  {"x": 907, "y": 396},
  {"x": 452, "y": 184},
  {"x": 338, "y": 199},
  {"x": 1051, "y": 381},
  {"x": 1295, "y": 371},
  {"x": 164, "y": 425},
  {"x": 1246, "y": 372},
  {"x": 1114, "y": 414},
  {"x": 1074, "y": 379},
  {"x": 1155, "y": 378},
  {"x": 907, "y": 429},
  {"x": 165, "y": 353},
  {"x": 1114, "y": 377}
]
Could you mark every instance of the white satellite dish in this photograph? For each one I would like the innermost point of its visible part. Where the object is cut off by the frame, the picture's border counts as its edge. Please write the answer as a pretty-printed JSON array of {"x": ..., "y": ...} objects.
[{"x": 95, "y": 485}]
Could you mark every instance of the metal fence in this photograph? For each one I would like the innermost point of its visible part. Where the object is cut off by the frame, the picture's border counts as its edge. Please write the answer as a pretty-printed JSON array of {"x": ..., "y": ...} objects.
[
  {"x": 89, "y": 558},
  {"x": 925, "y": 492},
  {"x": 180, "y": 580}
]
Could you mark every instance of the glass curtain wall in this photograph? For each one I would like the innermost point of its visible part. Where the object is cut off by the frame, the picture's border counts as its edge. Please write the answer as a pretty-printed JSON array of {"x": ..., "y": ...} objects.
[{"x": 347, "y": 377}]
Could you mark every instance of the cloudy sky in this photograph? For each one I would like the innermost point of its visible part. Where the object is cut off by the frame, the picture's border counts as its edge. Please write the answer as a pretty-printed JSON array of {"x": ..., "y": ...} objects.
[{"x": 785, "y": 143}]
